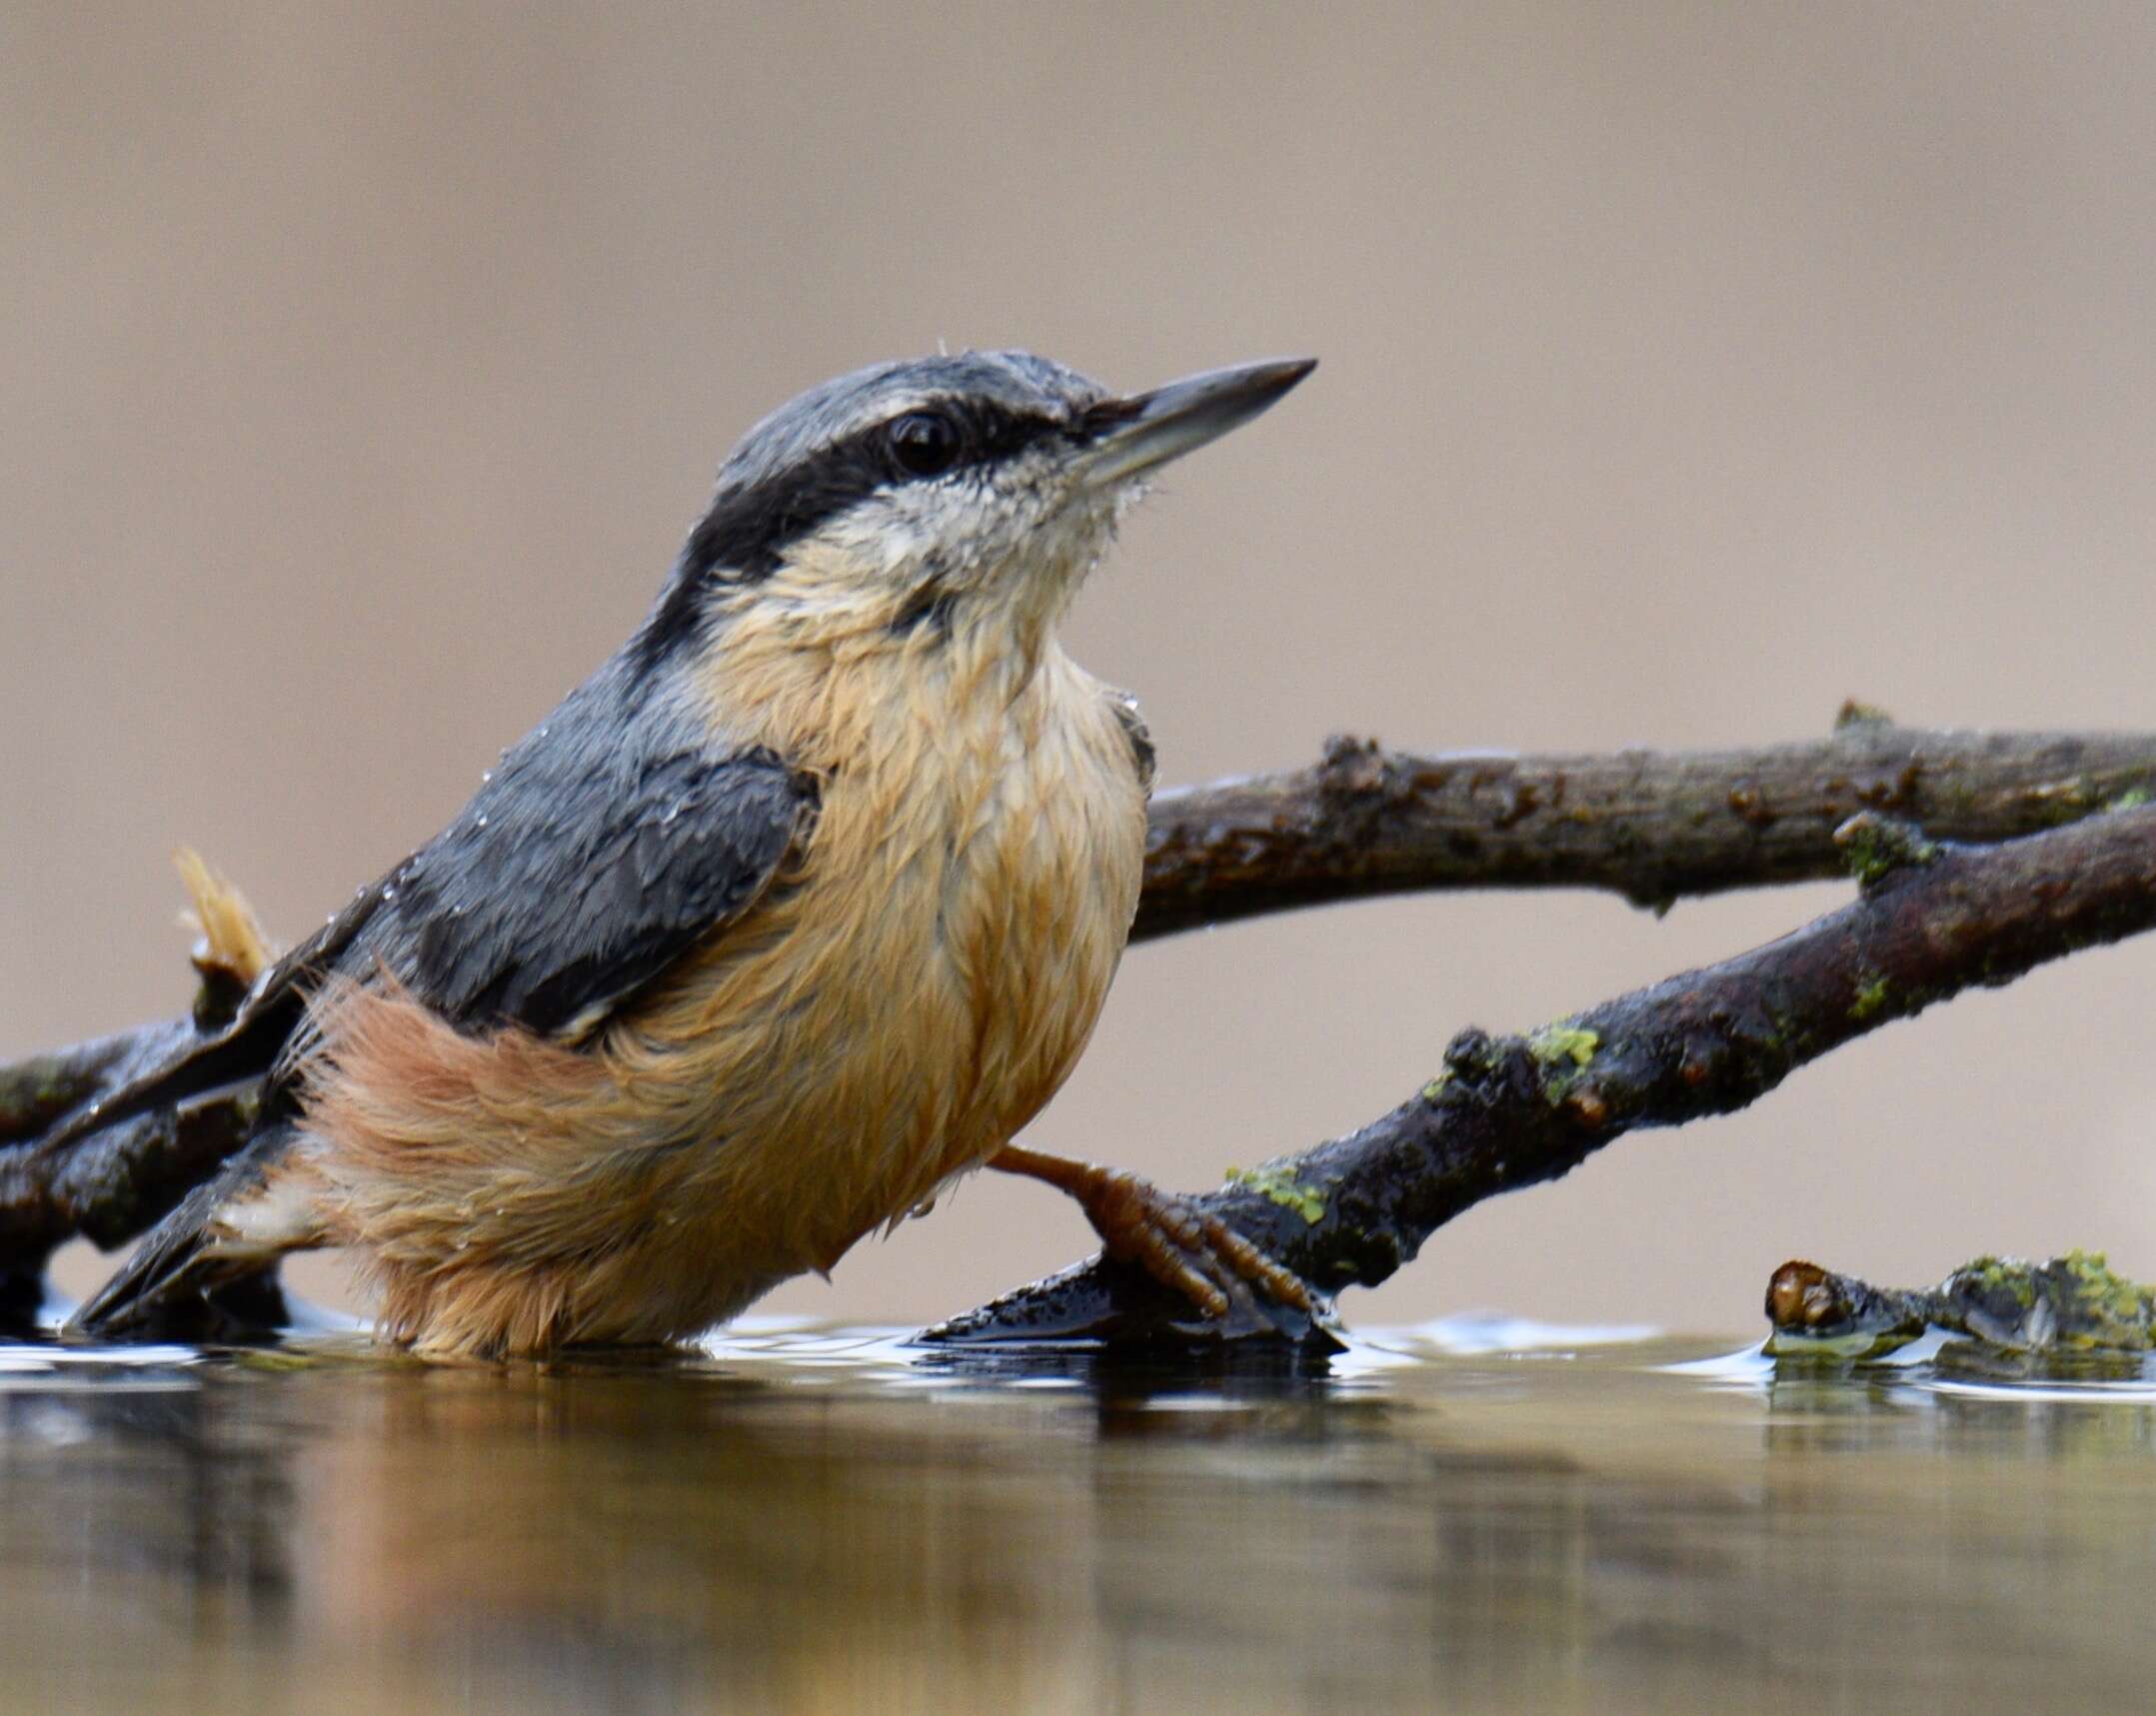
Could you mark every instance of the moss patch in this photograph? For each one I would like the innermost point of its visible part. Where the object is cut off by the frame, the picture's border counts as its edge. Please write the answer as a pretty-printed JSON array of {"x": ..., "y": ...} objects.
[
  {"x": 1282, "y": 1188},
  {"x": 2108, "y": 1309},
  {"x": 2008, "y": 1275},
  {"x": 1873, "y": 847},
  {"x": 1870, "y": 997},
  {"x": 1563, "y": 1052},
  {"x": 1554, "y": 1044}
]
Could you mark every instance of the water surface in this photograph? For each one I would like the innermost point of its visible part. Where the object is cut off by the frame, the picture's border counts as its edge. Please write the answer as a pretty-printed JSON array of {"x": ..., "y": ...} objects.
[{"x": 1476, "y": 1515}]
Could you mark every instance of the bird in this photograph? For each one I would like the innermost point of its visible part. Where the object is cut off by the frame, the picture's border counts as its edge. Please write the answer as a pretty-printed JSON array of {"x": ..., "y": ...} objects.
[{"x": 800, "y": 907}]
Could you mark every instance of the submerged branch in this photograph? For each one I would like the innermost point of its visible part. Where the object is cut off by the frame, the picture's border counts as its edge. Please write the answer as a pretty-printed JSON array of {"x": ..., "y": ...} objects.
[
  {"x": 1510, "y": 1112},
  {"x": 2073, "y": 1305}
]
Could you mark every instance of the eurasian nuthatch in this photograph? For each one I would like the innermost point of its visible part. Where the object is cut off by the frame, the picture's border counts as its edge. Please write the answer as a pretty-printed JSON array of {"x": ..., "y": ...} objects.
[{"x": 805, "y": 903}]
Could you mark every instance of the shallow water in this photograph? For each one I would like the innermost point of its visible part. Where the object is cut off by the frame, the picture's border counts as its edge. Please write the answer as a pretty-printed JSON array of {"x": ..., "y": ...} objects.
[{"x": 1476, "y": 1515}]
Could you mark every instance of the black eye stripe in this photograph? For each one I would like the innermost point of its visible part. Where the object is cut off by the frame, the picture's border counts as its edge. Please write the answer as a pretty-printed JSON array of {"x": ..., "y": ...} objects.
[
  {"x": 743, "y": 538},
  {"x": 745, "y": 533}
]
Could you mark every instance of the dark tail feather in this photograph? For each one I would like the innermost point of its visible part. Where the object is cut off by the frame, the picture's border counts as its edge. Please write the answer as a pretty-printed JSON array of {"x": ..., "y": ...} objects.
[
  {"x": 201, "y": 1273},
  {"x": 103, "y": 1138}
]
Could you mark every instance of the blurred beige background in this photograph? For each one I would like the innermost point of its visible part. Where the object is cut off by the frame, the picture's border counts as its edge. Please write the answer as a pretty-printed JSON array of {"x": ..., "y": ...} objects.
[{"x": 1686, "y": 370}]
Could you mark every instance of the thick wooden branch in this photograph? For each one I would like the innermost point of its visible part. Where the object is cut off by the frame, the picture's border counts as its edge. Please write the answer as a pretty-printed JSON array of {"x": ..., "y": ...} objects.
[
  {"x": 1510, "y": 1112},
  {"x": 1652, "y": 826}
]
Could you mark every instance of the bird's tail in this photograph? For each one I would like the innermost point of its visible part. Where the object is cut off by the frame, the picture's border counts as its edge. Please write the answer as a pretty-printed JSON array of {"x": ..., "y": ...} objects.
[
  {"x": 104, "y": 1138},
  {"x": 208, "y": 1270}
]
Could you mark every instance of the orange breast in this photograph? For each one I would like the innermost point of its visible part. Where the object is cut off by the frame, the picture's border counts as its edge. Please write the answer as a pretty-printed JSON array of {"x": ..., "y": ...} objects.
[
  {"x": 934, "y": 977},
  {"x": 889, "y": 1017}
]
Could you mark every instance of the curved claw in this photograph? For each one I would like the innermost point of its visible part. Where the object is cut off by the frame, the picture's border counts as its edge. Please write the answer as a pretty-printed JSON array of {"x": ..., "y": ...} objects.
[{"x": 1192, "y": 1254}]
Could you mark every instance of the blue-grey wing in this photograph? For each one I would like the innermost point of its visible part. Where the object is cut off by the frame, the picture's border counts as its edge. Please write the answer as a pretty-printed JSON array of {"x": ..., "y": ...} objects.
[
  {"x": 609, "y": 841},
  {"x": 581, "y": 871}
]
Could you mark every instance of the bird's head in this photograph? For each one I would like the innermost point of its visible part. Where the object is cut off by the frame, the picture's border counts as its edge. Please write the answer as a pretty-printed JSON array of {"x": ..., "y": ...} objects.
[{"x": 915, "y": 501}]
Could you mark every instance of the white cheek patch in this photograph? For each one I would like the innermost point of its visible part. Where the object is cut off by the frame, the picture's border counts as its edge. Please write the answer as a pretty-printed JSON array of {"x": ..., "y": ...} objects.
[
  {"x": 880, "y": 538},
  {"x": 957, "y": 527},
  {"x": 972, "y": 530}
]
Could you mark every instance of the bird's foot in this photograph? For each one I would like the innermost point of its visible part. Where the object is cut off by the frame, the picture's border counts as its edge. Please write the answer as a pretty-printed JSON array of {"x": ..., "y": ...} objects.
[{"x": 1187, "y": 1250}]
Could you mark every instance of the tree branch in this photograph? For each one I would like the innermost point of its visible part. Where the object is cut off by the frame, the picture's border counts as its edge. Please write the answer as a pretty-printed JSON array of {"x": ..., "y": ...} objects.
[
  {"x": 1506, "y": 1113},
  {"x": 1653, "y": 826}
]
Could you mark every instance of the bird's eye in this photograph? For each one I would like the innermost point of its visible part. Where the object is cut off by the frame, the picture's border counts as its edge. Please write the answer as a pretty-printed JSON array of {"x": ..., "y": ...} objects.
[{"x": 924, "y": 442}]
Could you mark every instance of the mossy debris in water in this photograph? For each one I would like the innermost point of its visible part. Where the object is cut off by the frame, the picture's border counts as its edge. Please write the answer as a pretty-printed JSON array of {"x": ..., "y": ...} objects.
[
  {"x": 1817, "y": 1314},
  {"x": 1992, "y": 1276},
  {"x": 2076, "y": 1303}
]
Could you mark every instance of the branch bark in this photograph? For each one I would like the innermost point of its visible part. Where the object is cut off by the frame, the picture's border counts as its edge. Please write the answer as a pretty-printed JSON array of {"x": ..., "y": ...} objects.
[
  {"x": 1510, "y": 1111},
  {"x": 1652, "y": 826},
  {"x": 115, "y": 1182},
  {"x": 1364, "y": 822}
]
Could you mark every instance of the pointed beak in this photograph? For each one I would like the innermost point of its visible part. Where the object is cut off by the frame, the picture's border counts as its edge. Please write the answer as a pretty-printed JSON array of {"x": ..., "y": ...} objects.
[{"x": 1128, "y": 436}]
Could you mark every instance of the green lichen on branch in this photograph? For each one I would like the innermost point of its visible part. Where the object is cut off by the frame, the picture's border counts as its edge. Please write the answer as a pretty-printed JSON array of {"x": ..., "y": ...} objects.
[
  {"x": 1875, "y": 846},
  {"x": 1276, "y": 1181},
  {"x": 1563, "y": 1052},
  {"x": 1556, "y": 1045},
  {"x": 1514, "y": 1111},
  {"x": 2090, "y": 1304}
]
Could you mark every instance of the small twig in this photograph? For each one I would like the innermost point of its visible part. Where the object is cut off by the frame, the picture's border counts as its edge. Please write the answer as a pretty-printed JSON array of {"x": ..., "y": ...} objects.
[{"x": 1510, "y": 1111}]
